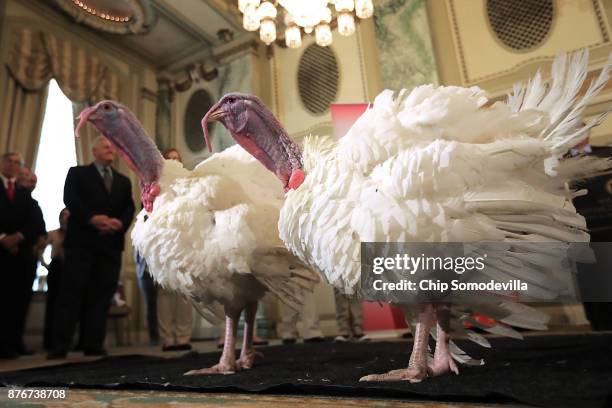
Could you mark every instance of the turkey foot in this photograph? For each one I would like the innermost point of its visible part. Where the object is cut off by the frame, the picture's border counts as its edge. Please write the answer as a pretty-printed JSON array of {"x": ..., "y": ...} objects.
[
  {"x": 248, "y": 359},
  {"x": 221, "y": 368},
  {"x": 227, "y": 363},
  {"x": 417, "y": 367},
  {"x": 412, "y": 374},
  {"x": 442, "y": 364}
]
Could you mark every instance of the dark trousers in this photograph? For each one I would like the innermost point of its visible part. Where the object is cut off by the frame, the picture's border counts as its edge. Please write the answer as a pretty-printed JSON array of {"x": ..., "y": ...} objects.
[
  {"x": 88, "y": 284},
  {"x": 595, "y": 284},
  {"x": 25, "y": 297},
  {"x": 149, "y": 290},
  {"x": 54, "y": 278},
  {"x": 12, "y": 293}
]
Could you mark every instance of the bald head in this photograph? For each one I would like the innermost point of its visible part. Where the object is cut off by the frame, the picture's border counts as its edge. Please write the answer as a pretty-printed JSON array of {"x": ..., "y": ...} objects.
[{"x": 103, "y": 151}]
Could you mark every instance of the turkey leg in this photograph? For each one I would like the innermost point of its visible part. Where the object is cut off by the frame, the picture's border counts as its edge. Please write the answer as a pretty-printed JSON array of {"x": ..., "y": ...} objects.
[
  {"x": 417, "y": 366},
  {"x": 248, "y": 355},
  {"x": 443, "y": 361},
  {"x": 227, "y": 363}
]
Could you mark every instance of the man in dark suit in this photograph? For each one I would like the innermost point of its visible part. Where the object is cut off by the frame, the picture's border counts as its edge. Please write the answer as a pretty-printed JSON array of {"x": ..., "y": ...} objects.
[
  {"x": 595, "y": 280},
  {"x": 101, "y": 209},
  {"x": 27, "y": 179},
  {"x": 16, "y": 241}
]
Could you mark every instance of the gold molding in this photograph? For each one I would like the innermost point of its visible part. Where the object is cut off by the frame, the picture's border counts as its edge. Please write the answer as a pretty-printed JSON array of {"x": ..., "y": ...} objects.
[
  {"x": 49, "y": 19},
  {"x": 529, "y": 62},
  {"x": 501, "y": 84},
  {"x": 600, "y": 19},
  {"x": 361, "y": 62},
  {"x": 276, "y": 86},
  {"x": 457, "y": 39}
]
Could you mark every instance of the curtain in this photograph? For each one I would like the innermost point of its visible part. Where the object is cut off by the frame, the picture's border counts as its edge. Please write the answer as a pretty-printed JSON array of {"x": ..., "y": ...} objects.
[
  {"x": 21, "y": 121},
  {"x": 35, "y": 58},
  {"x": 88, "y": 135}
]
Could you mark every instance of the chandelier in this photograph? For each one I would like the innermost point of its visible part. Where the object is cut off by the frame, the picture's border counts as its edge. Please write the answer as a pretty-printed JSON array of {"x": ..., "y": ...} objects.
[{"x": 303, "y": 15}]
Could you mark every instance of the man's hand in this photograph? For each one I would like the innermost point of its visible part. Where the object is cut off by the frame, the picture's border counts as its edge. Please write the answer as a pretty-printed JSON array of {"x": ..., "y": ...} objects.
[
  {"x": 101, "y": 222},
  {"x": 11, "y": 242},
  {"x": 115, "y": 224},
  {"x": 39, "y": 246},
  {"x": 105, "y": 224}
]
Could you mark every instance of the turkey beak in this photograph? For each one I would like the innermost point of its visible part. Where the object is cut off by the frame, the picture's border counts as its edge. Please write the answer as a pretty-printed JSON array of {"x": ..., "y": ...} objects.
[
  {"x": 83, "y": 118},
  {"x": 215, "y": 113}
]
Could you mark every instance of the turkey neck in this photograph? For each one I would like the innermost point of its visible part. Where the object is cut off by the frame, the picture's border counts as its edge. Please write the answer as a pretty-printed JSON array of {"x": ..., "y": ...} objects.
[{"x": 139, "y": 152}]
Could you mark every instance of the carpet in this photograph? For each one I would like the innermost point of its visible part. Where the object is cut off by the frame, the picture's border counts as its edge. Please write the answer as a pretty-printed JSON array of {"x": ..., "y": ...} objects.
[{"x": 547, "y": 371}]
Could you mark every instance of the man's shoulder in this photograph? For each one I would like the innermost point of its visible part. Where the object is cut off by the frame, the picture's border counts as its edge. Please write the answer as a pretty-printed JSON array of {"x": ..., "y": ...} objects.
[
  {"x": 120, "y": 176},
  {"x": 80, "y": 169},
  {"x": 23, "y": 194}
]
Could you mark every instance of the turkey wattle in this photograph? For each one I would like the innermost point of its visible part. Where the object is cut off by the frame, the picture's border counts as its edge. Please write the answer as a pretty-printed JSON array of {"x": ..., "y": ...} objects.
[
  {"x": 210, "y": 234},
  {"x": 437, "y": 164}
]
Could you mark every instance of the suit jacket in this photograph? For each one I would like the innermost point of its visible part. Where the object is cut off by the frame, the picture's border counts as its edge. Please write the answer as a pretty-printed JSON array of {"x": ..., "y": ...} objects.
[
  {"x": 86, "y": 196},
  {"x": 38, "y": 221},
  {"x": 596, "y": 206},
  {"x": 17, "y": 216}
]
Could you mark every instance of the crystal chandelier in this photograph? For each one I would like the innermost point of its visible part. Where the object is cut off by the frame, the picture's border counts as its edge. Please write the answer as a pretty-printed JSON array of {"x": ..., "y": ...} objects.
[{"x": 303, "y": 15}]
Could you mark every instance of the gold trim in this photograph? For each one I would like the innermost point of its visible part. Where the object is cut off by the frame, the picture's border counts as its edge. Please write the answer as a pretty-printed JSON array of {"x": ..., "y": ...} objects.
[
  {"x": 463, "y": 65},
  {"x": 361, "y": 64},
  {"x": 457, "y": 37},
  {"x": 55, "y": 23},
  {"x": 276, "y": 85},
  {"x": 600, "y": 20}
]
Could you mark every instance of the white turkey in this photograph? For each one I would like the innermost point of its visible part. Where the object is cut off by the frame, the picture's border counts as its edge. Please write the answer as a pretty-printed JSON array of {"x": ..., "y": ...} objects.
[
  {"x": 437, "y": 164},
  {"x": 210, "y": 234}
]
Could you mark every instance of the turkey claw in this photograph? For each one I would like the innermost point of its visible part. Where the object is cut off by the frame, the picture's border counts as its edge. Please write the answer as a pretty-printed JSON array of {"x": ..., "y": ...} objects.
[
  {"x": 248, "y": 360},
  {"x": 413, "y": 375},
  {"x": 214, "y": 370},
  {"x": 443, "y": 366}
]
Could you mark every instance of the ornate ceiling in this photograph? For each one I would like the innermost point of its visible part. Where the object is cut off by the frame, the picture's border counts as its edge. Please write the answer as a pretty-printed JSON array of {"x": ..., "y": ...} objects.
[
  {"x": 169, "y": 34},
  {"x": 114, "y": 16}
]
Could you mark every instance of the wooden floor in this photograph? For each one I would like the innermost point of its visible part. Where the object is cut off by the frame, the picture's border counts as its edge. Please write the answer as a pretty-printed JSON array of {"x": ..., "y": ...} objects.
[{"x": 141, "y": 399}]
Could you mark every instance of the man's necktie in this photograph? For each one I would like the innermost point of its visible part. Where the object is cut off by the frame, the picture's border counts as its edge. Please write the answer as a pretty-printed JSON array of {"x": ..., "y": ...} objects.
[
  {"x": 10, "y": 191},
  {"x": 108, "y": 179}
]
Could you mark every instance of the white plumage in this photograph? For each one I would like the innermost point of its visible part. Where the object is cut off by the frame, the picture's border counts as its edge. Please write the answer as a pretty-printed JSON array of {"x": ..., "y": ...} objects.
[
  {"x": 213, "y": 236},
  {"x": 210, "y": 234},
  {"x": 438, "y": 164}
]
